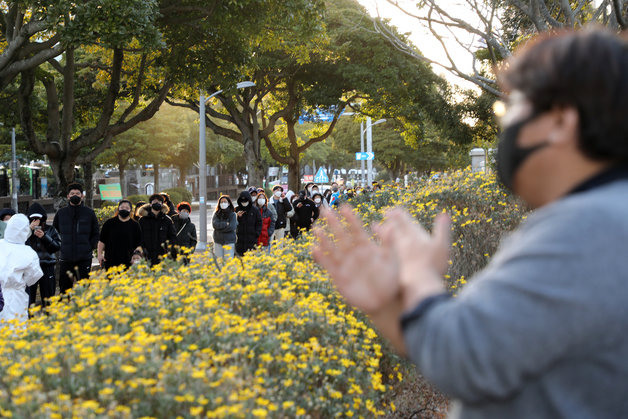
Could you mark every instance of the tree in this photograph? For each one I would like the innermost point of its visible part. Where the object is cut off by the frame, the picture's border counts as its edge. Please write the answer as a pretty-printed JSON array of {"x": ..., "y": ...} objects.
[
  {"x": 134, "y": 53},
  {"x": 124, "y": 150},
  {"x": 491, "y": 29},
  {"x": 359, "y": 70},
  {"x": 285, "y": 38}
]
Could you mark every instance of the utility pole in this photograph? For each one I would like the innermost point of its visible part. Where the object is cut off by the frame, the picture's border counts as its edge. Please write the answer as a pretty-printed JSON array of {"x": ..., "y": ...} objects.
[
  {"x": 13, "y": 173},
  {"x": 369, "y": 149},
  {"x": 362, "y": 172},
  {"x": 202, "y": 177}
]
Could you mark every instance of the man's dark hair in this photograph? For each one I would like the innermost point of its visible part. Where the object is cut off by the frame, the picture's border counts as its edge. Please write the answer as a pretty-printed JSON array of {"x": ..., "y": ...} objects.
[
  {"x": 75, "y": 186},
  {"x": 587, "y": 70},
  {"x": 156, "y": 196},
  {"x": 277, "y": 187}
]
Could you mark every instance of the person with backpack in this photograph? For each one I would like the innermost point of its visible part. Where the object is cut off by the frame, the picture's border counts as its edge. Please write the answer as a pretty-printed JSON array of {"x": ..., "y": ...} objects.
[{"x": 185, "y": 228}]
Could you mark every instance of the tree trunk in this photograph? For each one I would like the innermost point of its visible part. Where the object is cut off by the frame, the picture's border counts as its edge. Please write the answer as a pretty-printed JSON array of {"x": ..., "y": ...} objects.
[
  {"x": 123, "y": 185},
  {"x": 156, "y": 177},
  {"x": 89, "y": 184},
  {"x": 182, "y": 175},
  {"x": 254, "y": 165},
  {"x": 294, "y": 178},
  {"x": 64, "y": 175}
]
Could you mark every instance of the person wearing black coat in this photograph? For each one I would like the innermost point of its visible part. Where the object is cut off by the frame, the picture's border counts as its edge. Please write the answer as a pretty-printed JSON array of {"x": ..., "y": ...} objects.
[
  {"x": 305, "y": 210},
  {"x": 78, "y": 228},
  {"x": 283, "y": 207},
  {"x": 45, "y": 241},
  {"x": 249, "y": 223},
  {"x": 158, "y": 235},
  {"x": 185, "y": 228}
]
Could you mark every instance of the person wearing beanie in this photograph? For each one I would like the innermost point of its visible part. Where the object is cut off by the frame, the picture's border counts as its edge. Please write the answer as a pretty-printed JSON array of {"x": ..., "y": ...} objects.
[
  {"x": 184, "y": 227},
  {"x": 5, "y": 215},
  {"x": 158, "y": 234},
  {"x": 19, "y": 268},
  {"x": 78, "y": 227},
  {"x": 45, "y": 241},
  {"x": 120, "y": 236},
  {"x": 225, "y": 224}
]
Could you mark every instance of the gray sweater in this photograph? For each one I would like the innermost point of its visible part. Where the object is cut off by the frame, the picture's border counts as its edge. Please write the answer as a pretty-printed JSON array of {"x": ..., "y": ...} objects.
[{"x": 542, "y": 332}]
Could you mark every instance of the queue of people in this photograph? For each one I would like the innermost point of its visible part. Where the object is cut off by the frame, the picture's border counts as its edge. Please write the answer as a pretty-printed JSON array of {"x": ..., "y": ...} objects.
[
  {"x": 150, "y": 231},
  {"x": 30, "y": 248}
]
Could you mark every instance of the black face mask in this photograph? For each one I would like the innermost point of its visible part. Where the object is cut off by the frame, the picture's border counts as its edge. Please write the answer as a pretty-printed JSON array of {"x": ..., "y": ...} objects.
[
  {"x": 124, "y": 213},
  {"x": 157, "y": 206},
  {"x": 75, "y": 199},
  {"x": 509, "y": 155}
]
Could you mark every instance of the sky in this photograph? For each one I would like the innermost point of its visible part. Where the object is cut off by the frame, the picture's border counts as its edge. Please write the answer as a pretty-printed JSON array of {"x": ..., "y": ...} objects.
[{"x": 424, "y": 40}]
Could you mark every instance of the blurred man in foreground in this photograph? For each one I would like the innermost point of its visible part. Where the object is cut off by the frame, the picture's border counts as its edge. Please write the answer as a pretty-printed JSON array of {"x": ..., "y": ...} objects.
[{"x": 541, "y": 331}]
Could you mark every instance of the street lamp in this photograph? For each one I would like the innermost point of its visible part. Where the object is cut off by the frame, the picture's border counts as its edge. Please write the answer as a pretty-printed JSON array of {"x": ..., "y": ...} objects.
[
  {"x": 369, "y": 147},
  {"x": 202, "y": 164}
]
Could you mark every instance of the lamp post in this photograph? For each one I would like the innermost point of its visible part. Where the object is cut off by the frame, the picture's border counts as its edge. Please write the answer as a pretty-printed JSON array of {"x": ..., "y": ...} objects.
[
  {"x": 13, "y": 172},
  {"x": 202, "y": 164},
  {"x": 369, "y": 147}
]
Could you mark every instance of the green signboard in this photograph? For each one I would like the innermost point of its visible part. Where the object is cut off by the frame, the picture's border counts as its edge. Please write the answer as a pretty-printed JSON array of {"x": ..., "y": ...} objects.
[{"x": 110, "y": 192}]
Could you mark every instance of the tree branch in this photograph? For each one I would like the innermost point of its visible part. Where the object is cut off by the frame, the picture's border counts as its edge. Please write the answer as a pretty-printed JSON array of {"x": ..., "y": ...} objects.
[
  {"x": 619, "y": 14},
  {"x": 138, "y": 90}
]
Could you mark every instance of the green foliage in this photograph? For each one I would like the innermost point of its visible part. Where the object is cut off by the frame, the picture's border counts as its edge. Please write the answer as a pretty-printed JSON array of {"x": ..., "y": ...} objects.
[
  {"x": 137, "y": 198},
  {"x": 480, "y": 209}
]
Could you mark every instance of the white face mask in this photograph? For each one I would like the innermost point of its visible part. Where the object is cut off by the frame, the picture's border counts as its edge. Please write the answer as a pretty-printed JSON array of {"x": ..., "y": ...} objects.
[
  {"x": 245, "y": 203},
  {"x": 184, "y": 215},
  {"x": 261, "y": 201},
  {"x": 317, "y": 200},
  {"x": 314, "y": 191},
  {"x": 225, "y": 205},
  {"x": 277, "y": 194}
]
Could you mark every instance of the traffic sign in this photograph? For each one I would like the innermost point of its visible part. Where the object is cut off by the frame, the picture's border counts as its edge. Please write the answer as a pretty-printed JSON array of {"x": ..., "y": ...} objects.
[
  {"x": 364, "y": 156},
  {"x": 321, "y": 176}
]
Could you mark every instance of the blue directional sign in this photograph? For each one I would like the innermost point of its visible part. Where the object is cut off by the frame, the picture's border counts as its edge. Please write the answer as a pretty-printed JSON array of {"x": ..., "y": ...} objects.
[
  {"x": 321, "y": 176},
  {"x": 364, "y": 156}
]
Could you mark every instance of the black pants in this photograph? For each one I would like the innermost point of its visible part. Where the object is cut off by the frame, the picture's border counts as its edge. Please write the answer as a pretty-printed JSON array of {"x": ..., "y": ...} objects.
[
  {"x": 47, "y": 285},
  {"x": 72, "y": 270}
]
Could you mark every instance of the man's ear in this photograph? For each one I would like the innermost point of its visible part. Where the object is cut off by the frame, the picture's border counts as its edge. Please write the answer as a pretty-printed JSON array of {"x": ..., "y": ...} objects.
[{"x": 566, "y": 126}]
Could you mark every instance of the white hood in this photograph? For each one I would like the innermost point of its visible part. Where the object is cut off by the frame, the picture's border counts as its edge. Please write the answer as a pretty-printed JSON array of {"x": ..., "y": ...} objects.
[{"x": 18, "y": 229}]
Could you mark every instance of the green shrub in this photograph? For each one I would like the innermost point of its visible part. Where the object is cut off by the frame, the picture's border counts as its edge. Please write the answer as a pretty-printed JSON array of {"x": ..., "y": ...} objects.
[{"x": 137, "y": 198}]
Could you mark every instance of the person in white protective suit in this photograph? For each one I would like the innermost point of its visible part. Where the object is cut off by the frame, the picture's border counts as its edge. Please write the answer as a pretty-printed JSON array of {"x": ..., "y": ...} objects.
[{"x": 19, "y": 267}]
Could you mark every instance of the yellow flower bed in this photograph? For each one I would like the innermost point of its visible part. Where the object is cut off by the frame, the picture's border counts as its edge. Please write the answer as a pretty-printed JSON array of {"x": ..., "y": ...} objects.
[{"x": 265, "y": 336}]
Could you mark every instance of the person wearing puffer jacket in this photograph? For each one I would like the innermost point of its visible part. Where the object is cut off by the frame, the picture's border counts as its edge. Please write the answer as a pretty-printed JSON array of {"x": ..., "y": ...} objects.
[
  {"x": 225, "y": 223},
  {"x": 269, "y": 218},
  {"x": 158, "y": 235},
  {"x": 19, "y": 268},
  {"x": 46, "y": 242},
  {"x": 249, "y": 223}
]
